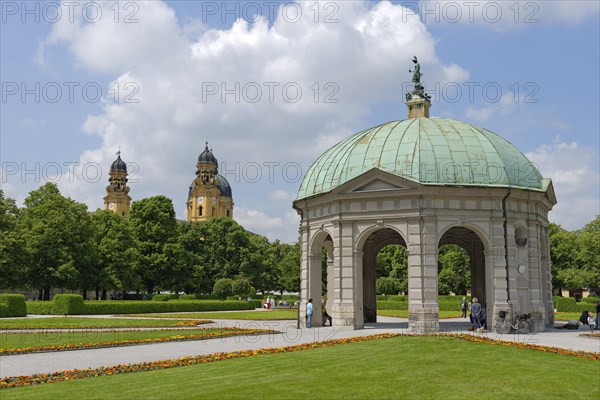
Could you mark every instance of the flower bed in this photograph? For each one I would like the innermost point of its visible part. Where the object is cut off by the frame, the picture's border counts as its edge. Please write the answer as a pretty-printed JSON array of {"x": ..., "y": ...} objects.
[
  {"x": 548, "y": 349},
  {"x": 224, "y": 332},
  {"x": 592, "y": 335},
  {"x": 186, "y": 323}
]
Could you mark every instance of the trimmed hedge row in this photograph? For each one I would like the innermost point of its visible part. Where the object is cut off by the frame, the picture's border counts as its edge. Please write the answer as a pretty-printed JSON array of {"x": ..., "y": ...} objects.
[
  {"x": 73, "y": 307},
  {"x": 590, "y": 299},
  {"x": 392, "y": 305},
  {"x": 167, "y": 297},
  {"x": 442, "y": 299},
  {"x": 12, "y": 305},
  {"x": 568, "y": 304},
  {"x": 403, "y": 305},
  {"x": 199, "y": 297}
]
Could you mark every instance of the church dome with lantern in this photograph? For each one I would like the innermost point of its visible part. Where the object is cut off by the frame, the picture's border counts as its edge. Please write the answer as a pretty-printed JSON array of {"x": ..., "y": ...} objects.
[{"x": 210, "y": 193}]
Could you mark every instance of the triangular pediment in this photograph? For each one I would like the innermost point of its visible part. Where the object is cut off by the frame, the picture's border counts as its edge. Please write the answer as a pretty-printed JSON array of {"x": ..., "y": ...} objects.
[
  {"x": 378, "y": 184},
  {"x": 375, "y": 180},
  {"x": 548, "y": 188}
]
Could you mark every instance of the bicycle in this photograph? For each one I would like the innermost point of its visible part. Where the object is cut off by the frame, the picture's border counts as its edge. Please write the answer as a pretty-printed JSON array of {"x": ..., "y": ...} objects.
[{"x": 523, "y": 323}]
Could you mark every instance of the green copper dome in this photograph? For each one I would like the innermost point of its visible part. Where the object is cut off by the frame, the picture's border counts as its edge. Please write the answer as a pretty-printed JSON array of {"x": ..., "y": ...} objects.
[{"x": 430, "y": 151}]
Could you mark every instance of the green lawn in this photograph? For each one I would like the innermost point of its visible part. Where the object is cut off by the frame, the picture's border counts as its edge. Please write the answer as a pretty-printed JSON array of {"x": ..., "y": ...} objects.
[
  {"x": 76, "y": 322},
  {"x": 413, "y": 367},
  {"x": 565, "y": 316},
  {"x": 404, "y": 313},
  {"x": 41, "y": 339},
  {"x": 244, "y": 315}
]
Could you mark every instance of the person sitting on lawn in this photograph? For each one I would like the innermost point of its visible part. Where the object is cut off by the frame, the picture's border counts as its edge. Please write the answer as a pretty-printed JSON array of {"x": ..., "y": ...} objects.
[
  {"x": 326, "y": 317},
  {"x": 584, "y": 317}
]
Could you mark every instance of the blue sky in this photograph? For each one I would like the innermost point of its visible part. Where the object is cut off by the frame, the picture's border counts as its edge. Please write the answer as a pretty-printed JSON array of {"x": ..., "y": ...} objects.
[{"x": 191, "y": 71}]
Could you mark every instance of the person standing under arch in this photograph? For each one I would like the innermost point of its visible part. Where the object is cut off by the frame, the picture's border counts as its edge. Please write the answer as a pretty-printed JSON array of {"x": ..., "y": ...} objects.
[
  {"x": 476, "y": 313},
  {"x": 309, "y": 312}
]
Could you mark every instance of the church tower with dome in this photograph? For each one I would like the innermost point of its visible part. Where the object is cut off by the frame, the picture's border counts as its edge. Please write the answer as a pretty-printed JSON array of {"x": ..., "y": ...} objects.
[
  {"x": 117, "y": 197},
  {"x": 209, "y": 195}
]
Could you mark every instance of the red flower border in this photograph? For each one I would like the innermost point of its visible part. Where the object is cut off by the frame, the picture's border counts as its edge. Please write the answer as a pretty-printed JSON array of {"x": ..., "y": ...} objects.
[
  {"x": 225, "y": 332},
  {"x": 189, "y": 322}
]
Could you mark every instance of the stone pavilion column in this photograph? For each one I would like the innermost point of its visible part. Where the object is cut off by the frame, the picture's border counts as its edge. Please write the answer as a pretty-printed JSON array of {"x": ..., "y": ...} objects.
[
  {"x": 423, "y": 310},
  {"x": 347, "y": 305}
]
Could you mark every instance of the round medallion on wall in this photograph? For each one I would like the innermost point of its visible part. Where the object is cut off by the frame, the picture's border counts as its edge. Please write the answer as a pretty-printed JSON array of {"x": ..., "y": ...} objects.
[
  {"x": 111, "y": 206},
  {"x": 522, "y": 268}
]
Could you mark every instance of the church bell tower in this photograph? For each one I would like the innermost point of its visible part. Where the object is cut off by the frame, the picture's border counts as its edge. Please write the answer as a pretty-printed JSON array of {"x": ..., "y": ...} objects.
[
  {"x": 117, "y": 197},
  {"x": 209, "y": 195}
]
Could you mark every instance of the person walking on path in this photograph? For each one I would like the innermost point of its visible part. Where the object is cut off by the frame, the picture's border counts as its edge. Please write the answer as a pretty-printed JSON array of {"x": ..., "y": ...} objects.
[
  {"x": 598, "y": 315},
  {"x": 476, "y": 313},
  {"x": 309, "y": 312},
  {"x": 463, "y": 306}
]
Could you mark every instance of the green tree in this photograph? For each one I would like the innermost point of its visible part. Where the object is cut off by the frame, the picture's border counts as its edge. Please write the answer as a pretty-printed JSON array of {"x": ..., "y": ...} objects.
[
  {"x": 578, "y": 278},
  {"x": 259, "y": 263},
  {"x": 563, "y": 253},
  {"x": 454, "y": 267},
  {"x": 589, "y": 249},
  {"x": 228, "y": 251},
  {"x": 223, "y": 287},
  {"x": 154, "y": 225},
  {"x": 392, "y": 261},
  {"x": 118, "y": 254},
  {"x": 60, "y": 237},
  {"x": 387, "y": 285},
  {"x": 14, "y": 255},
  {"x": 243, "y": 287},
  {"x": 192, "y": 275},
  {"x": 288, "y": 277}
]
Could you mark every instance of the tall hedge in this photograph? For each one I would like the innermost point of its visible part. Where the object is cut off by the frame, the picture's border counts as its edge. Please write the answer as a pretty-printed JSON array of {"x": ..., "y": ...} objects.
[
  {"x": 68, "y": 304},
  {"x": 12, "y": 305}
]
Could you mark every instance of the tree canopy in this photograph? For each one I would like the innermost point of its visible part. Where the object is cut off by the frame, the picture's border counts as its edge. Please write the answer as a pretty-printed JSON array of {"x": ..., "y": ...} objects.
[{"x": 54, "y": 242}]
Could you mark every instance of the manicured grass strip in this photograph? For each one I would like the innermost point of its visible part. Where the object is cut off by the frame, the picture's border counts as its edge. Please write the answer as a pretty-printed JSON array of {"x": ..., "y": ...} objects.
[
  {"x": 456, "y": 358},
  {"x": 592, "y": 335},
  {"x": 365, "y": 369},
  {"x": 82, "y": 322},
  {"x": 20, "y": 343},
  {"x": 404, "y": 313},
  {"x": 243, "y": 315},
  {"x": 565, "y": 316}
]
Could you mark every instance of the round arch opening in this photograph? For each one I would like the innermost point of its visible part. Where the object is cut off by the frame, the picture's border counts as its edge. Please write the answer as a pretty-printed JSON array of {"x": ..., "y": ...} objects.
[
  {"x": 473, "y": 247},
  {"x": 376, "y": 242}
]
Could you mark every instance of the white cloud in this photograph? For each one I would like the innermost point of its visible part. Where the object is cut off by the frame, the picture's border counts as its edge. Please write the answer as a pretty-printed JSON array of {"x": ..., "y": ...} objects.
[
  {"x": 358, "y": 61},
  {"x": 574, "y": 173},
  {"x": 284, "y": 228},
  {"x": 281, "y": 195},
  {"x": 504, "y": 106}
]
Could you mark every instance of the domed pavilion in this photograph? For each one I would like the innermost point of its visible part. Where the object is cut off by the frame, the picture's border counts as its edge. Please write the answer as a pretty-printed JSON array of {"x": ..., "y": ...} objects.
[{"x": 424, "y": 183}]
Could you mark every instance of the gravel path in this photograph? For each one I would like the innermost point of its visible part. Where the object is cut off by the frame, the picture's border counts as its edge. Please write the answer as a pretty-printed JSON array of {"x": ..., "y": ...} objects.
[{"x": 27, "y": 364}]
